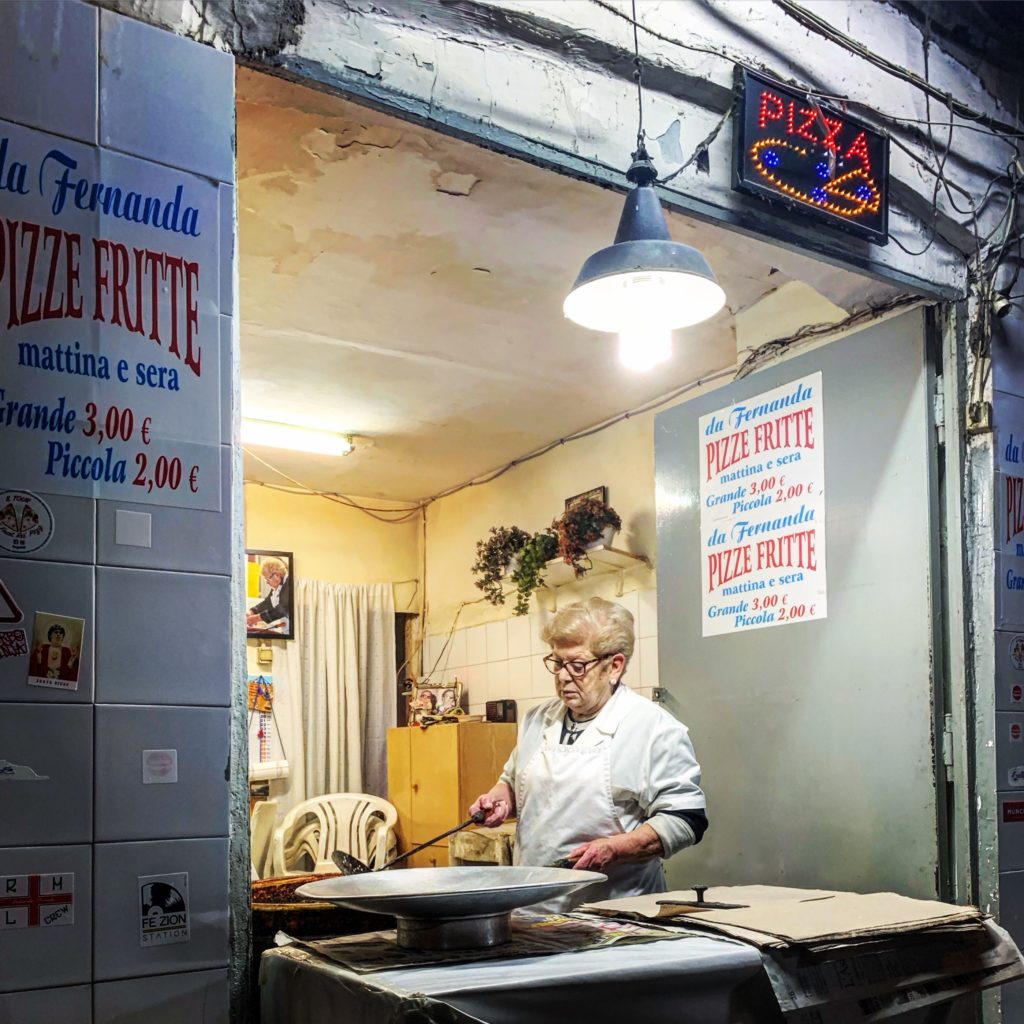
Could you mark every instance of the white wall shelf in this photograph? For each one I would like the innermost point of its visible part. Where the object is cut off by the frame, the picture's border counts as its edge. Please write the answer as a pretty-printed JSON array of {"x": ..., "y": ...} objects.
[{"x": 605, "y": 560}]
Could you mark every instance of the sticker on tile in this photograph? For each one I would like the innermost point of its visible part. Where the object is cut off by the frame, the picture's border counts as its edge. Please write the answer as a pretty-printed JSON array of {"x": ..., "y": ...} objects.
[
  {"x": 1013, "y": 811},
  {"x": 1016, "y": 651},
  {"x": 163, "y": 909},
  {"x": 1016, "y": 733},
  {"x": 26, "y": 522},
  {"x": 13, "y": 643},
  {"x": 10, "y": 772},
  {"x": 159, "y": 766},
  {"x": 1015, "y": 777},
  {"x": 133, "y": 529},
  {"x": 37, "y": 901},
  {"x": 9, "y": 610},
  {"x": 56, "y": 651}
]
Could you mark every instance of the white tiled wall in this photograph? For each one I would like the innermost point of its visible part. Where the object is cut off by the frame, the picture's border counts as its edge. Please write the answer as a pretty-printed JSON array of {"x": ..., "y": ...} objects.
[
  {"x": 155, "y": 669},
  {"x": 502, "y": 659}
]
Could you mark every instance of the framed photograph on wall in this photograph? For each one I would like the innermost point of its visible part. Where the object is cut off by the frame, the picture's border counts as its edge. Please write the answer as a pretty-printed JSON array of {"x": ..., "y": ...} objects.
[
  {"x": 268, "y": 595},
  {"x": 601, "y": 493},
  {"x": 434, "y": 701}
]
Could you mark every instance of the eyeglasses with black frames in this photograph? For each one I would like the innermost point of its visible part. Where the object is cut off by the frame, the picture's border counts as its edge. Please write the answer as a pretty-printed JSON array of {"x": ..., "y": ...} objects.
[{"x": 577, "y": 667}]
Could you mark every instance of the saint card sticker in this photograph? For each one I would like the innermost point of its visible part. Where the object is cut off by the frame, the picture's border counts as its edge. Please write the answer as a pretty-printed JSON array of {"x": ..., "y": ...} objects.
[
  {"x": 56, "y": 651},
  {"x": 37, "y": 901},
  {"x": 26, "y": 522},
  {"x": 163, "y": 909}
]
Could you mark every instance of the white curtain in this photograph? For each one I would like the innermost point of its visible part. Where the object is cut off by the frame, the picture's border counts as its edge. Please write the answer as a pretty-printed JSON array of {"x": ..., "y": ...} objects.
[{"x": 341, "y": 689}]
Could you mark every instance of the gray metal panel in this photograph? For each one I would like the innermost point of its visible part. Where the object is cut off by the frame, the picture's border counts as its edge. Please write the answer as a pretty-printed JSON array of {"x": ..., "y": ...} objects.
[
  {"x": 816, "y": 739},
  {"x": 200, "y": 997},
  {"x": 1009, "y": 671},
  {"x": 74, "y": 531},
  {"x": 119, "y": 866},
  {"x": 182, "y": 539},
  {"x": 160, "y": 638},
  {"x": 46, "y": 789},
  {"x": 131, "y": 806},
  {"x": 46, "y": 957},
  {"x": 71, "y": 1005},
  {"x": 60, "y": 589}
]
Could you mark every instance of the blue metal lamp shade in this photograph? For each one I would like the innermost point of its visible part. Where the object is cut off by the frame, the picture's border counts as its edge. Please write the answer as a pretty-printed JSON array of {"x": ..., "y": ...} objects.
[{"x": 644, "y": 280}]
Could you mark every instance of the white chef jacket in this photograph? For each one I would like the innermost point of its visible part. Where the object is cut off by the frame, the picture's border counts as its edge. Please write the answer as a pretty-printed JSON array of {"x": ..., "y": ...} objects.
[{"x": 651, "y": 763}]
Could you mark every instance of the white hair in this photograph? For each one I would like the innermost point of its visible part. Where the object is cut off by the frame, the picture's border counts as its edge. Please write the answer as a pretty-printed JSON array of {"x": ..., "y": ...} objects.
[{"x": 603, "y": 627}]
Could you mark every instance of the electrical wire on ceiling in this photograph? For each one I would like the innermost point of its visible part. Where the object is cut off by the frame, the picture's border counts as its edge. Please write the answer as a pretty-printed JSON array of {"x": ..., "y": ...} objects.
[{"x": 756, "y": 357}]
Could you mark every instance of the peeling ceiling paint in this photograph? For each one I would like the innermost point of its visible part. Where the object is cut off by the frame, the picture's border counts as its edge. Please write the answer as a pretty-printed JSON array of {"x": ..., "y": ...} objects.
[{"x": 406, "y": 287}]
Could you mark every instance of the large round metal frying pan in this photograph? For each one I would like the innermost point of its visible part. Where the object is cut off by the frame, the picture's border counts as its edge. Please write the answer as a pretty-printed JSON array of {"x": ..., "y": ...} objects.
[{"x": 449, "y": 908}]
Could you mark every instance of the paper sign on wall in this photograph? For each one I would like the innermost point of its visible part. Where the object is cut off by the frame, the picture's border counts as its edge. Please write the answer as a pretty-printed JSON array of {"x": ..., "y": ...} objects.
[
  {"x": 109, "y": 325},
  {"x": 762, "y": 510},
  {"x": 37, "y": 901}
]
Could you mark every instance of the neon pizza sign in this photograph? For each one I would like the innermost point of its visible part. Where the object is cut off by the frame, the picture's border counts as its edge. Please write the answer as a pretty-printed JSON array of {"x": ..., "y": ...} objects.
[{"x": 814, "y": 158}]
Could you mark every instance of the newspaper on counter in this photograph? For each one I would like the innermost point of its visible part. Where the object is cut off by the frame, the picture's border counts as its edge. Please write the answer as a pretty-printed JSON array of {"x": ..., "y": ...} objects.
[{"x": 532, "y": 935}]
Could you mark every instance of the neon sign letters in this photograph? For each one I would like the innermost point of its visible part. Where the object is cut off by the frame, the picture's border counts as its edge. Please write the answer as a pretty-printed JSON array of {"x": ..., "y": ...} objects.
[{"x": 794, "y": 149}]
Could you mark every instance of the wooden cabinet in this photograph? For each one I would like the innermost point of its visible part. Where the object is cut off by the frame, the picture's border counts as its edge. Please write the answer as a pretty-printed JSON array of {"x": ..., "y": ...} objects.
[{"x": 435, "y": 774}]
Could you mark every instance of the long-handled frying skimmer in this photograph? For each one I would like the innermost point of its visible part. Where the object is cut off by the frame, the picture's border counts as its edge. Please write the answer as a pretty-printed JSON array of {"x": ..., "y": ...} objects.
[{"x": 349, "y": 865}]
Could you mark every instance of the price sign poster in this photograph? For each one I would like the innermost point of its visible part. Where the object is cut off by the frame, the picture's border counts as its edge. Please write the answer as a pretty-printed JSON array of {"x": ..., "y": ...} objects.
[
  {"x": 762, "y": 510},
  {"x": 109, "y": 324}
]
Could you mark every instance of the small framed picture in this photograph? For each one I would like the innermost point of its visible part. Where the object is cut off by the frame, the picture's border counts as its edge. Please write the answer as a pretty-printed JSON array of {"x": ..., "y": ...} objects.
[
  {"x": 434, "y": 701},
  {"x": 56, "y": 651},
  {"x": 268, "y": 595},
  {"x": 601, "y": 493}
]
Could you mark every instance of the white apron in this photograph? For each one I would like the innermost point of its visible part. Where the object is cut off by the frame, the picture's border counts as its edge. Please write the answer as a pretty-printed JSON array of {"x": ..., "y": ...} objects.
[{"x": 564, "y": 798}]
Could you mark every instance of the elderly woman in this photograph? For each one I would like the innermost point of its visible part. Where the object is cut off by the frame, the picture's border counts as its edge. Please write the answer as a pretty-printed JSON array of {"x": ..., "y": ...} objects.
[{"x": 600, "y": 777}]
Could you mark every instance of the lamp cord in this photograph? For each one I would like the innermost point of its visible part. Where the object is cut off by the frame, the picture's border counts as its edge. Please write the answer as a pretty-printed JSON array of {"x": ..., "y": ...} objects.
[{"x": 639, "y": 90}]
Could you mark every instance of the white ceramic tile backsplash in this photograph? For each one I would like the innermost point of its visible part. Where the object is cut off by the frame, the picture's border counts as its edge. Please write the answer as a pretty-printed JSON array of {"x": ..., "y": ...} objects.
[
  {"x": 476, "y": 645},
  {"x": 542, "y": 681},
  {"x": 537, "y": 622},
  {"x": 648, "y": 662},
  {"x": 457, "y": 650},
  {"x": 520, "y": 682},
  {"x": 497, "y": 641},
  {"x": 647, "y": 621},
  {"x": 519, "y": 636},
  {"x": 497, "y": 680}
]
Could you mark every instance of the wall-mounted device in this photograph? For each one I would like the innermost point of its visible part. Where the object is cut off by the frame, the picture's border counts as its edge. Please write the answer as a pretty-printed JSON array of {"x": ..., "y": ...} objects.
[{"x": 501, "y": 711}]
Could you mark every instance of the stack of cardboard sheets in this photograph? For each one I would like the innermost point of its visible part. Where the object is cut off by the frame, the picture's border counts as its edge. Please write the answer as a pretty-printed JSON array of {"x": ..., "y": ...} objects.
[{"x": 845, "y": 958}]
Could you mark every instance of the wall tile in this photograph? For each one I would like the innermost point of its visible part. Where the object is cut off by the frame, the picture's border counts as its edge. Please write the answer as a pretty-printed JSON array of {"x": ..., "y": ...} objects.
[
  {"x": 226, "y": 381},
  {"x": 1010, "y": 751},
  {"x": 476, "y": 645},
  {"x": 175, "y": 107},
  {"x": 497, "y": 641},
  {"x": 647, "y": 620},
  {"x": 474, "y": 683},
  {"x": 458, "y": 649},
  {"x": 538, "y": 620},
  {"x": 48, "y": 957},
  {"x": 648, "y": 662},
  {"x": 497, "y": 681},
  {"x": 520, "y": 677},
  {"x": 133, "y": 804},
  {"x": 200, "y": 997},
  {"x": 542, "y": 681},
  {"x": 519, "y": 645},
  {"x": 149, "y": 649},
  {"x": 1009, "y": 573},
  {"x": 71, "y": 525},
  {"x": 631, "y": 602},
  {"x": 1010, "y": 823},
  {"x": 1011, "y": 910},
  {"x": 48, "y": 74},
  {"x": 71, "y": 1005},
  {"x": 61, "y": 590},
  {"x": 47, "y": 798},
  {"x": 119, "y": 950},
  {"x": 227, "y": 249},
  {"x": 182, "y": 539},
  {"x": 431, "y": 652},
  {"x": 1009, "y": 671}
]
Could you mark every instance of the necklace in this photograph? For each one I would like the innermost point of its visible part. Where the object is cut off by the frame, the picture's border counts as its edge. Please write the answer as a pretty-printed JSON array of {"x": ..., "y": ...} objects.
[{"x": 573, "y": 728}]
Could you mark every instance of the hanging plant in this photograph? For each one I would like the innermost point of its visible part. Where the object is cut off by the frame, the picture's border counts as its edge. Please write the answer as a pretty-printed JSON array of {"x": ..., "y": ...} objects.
[
  {"x": 582, "y": 525},
  {"x": 493, "y": 558},
  {"x": 528, "y": 575}
]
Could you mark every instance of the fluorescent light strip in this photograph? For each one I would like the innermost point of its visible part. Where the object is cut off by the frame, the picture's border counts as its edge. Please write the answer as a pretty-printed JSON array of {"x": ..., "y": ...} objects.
[{"x": 266, "y": 434}]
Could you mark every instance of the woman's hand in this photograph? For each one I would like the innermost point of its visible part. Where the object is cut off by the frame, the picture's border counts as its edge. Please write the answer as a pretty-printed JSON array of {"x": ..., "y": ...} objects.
[
  {"x": 625, "y": 848},
  {"x": 497, "y": 804}
]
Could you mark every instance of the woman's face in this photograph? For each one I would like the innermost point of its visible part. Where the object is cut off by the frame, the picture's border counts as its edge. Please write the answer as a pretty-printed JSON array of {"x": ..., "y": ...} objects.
[{"x": 587, "y": 694}]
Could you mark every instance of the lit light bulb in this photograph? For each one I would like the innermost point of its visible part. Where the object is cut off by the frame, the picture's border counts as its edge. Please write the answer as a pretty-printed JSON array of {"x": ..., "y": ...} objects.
[{"x": 642, "y": 348}]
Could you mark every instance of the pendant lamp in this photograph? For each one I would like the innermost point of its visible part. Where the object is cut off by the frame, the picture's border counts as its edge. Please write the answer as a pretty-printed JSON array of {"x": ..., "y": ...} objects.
[{"x": 643, "y": 286}]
